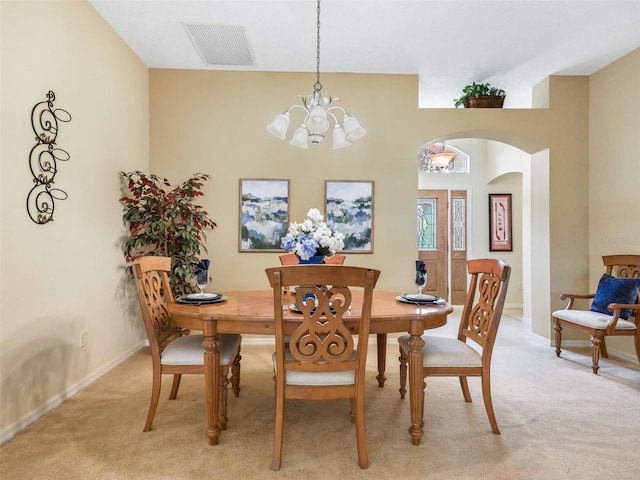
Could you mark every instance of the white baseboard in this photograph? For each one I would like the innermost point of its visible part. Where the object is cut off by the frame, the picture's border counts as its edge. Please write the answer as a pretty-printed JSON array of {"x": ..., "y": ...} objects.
[
  {"x": 9, "y": 431},
  {"x": 540, "y": 339},
  {"x": 623, "y": 356},
  {"x": 628, "y": 357}
]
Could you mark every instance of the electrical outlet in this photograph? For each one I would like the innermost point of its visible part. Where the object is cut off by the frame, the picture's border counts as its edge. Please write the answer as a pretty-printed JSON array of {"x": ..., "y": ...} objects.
[{"x": 83, "y": 339}]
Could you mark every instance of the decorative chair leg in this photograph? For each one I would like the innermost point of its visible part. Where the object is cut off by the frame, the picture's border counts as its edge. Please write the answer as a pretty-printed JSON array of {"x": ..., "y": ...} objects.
[
  {"x": 361, "y": 440},
  {"x": 352, "y": 409},
  {"x": 175, "y": 386},
  {"x": 488, "y": 404},
  {"x": 465, "y": 388},
  {"x": 235, "y": 375},
  {"x": 403, "y": 373},
  {"x": 558, "y": 335},
  {"x": 224, "y": 396},
  {"x": 155, "y": 396},
  {"x": 603, "y": 348},
  {"x": 276, "y": 460},
  {"x": 424, "y": 389},
  {"x": 595, "y": 353}
]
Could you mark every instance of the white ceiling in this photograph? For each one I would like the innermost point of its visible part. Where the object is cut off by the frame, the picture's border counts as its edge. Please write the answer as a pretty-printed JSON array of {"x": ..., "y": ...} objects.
[{"x": 513, "y": 44}]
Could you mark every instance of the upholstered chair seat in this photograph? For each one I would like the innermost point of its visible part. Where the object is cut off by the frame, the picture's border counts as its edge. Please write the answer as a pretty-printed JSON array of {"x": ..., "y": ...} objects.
[
  {"x": 593, "y": 319},
  {"x": 294, "y": 377},
  {"x": 188, "y": 350},
  {"x": 444, "y": 352}
]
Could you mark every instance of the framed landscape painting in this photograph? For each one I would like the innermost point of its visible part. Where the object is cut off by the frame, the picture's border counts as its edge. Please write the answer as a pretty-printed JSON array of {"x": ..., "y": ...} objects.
[
  {"x": 349, "y": 210},
  {"x": 264, "y": 214},
  {"x": 500, "y": 222}
]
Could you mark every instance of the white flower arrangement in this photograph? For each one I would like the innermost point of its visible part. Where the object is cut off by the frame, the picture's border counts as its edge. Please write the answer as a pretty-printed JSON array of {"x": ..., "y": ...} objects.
[{"x": 312, "y": 237}]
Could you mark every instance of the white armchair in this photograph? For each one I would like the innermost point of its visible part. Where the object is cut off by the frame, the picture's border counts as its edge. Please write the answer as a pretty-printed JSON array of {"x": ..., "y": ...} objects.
[{"x": 615, "y": 309}]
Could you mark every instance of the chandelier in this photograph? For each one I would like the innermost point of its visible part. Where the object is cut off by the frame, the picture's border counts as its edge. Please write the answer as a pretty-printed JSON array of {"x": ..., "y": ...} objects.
[
  {"x": 319, "y": 109},
  {"x": 435, "y": 161}
]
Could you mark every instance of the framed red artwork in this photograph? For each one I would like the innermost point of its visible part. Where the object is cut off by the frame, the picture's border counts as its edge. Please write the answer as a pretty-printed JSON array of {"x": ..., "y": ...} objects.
[{"x": 500, "y": 235}]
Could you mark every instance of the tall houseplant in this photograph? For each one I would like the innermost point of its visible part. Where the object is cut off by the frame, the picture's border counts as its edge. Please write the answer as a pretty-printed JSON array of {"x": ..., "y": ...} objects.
[{"x": 166, "y": 222}]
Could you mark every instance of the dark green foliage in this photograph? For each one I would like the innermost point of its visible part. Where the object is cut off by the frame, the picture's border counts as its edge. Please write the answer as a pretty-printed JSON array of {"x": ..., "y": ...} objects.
[
  {"x": 166, "y": 222},
  {"x": 478, "y": 90}
]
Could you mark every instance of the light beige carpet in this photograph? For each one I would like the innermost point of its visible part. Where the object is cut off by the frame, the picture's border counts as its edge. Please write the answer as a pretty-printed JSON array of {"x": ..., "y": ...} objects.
[{"x": 558, "y": 421}]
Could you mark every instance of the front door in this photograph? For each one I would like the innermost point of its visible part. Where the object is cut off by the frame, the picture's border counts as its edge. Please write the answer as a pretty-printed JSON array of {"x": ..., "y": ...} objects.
[
  {"x": 442, "y": 242},
  {"x": 458, "y": 229},
  {"x": 433, "y": 239}
]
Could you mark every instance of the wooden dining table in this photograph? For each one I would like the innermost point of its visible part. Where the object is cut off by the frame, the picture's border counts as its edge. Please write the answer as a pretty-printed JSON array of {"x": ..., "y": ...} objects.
[{"x": 252, "y": 312}]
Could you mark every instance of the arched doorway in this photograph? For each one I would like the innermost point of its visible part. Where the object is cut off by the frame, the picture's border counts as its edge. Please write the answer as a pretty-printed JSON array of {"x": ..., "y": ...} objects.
[{"x": 498, "y": 167}]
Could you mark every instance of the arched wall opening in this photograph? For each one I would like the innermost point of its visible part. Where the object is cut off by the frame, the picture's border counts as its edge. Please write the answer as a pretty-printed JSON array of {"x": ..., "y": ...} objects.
[{"x": 499, "y": 166}]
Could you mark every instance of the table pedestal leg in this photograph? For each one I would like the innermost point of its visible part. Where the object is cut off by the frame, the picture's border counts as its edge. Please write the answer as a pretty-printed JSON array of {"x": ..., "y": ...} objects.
[
  {"x": 211, "y": 346},
  {"x": 381, "y": 340},
  {"x": 416, "y": 388}
]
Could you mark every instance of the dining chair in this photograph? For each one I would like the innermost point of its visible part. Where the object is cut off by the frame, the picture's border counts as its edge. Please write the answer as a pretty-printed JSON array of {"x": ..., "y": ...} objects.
[
  {"x": 292, "y": 259},
  {"x": 173, "y": 350},
  {"x": 455, "y": 357},
  {"x": 321, "y": 361},
  {"x": 289, "y": 259},
  {"x": 615, "y": 302},
  {"x": 335, "y": 259}
]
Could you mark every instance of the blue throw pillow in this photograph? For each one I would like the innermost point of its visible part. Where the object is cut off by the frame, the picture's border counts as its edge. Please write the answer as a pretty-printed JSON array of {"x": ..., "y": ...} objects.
[{"x": 615, "y": 290}]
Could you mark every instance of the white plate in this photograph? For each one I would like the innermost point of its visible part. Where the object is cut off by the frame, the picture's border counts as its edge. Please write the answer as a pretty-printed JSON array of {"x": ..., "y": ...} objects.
[
  {"x": 197, "y": 297},
  {"x": 194, "y": 301},
  {"x": 437, "y": 301},
  {"x": 414, "y": 297}
]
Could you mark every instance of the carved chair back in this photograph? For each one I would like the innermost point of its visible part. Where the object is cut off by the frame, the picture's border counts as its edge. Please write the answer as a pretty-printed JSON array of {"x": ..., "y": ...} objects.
[
  {"x": 154, "y": 293},
  {"x": 481, "y": 316}
]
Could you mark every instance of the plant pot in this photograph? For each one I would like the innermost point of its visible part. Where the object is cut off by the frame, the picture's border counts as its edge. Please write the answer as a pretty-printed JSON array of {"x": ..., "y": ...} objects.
[
  {"x": 484, "y": 102},
  {"x": 316, "y": 259}
]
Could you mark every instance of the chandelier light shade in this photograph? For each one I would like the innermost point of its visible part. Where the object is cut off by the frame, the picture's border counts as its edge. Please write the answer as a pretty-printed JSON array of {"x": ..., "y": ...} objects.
[
  {"x": 278, "y": 128},
  {"x": 440, "y": 161},
  {"x": 319, "y": 111}
]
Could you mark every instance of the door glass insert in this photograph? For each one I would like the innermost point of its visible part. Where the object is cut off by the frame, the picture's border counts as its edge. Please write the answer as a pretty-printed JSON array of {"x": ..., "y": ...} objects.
[
  {"x": 427, "y": 224},
  {"x": 459, "y": 230}
]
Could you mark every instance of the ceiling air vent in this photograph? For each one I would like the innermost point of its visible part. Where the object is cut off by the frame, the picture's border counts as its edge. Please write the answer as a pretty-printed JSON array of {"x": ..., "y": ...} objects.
[{"x": 220, "y": 44}]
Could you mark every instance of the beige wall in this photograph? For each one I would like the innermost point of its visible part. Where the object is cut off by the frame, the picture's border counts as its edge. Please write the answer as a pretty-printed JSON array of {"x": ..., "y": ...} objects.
[
  {"x": 198, "y": 124},
  {"x": 64, "y": 277},
  {"x": 614, "y": 178}
]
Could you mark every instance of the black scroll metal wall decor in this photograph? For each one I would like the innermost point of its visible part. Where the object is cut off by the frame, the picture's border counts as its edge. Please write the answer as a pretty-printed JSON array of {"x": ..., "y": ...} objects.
[{"x": 44, "y": 158}]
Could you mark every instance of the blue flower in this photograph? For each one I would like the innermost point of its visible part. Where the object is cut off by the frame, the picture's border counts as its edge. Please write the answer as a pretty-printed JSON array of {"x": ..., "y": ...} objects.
[
  {"x": 287, "y": 243},
  {"x": 309, "y": 248},
  {"x": 312, "y": 237}
]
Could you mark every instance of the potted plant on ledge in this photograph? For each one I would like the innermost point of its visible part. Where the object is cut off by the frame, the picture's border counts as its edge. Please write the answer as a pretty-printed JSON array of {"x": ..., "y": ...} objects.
[{"x": 480, "y": 95}]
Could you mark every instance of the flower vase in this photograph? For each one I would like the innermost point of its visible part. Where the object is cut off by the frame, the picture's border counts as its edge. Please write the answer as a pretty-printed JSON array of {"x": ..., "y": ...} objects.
[{"x": 312, "y": 260}]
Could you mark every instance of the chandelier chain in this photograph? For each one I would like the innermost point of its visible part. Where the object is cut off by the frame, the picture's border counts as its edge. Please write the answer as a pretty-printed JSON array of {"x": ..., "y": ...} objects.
[
  {"x": 320, "y": 111},
  {"x": 318, "y": 86}
]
